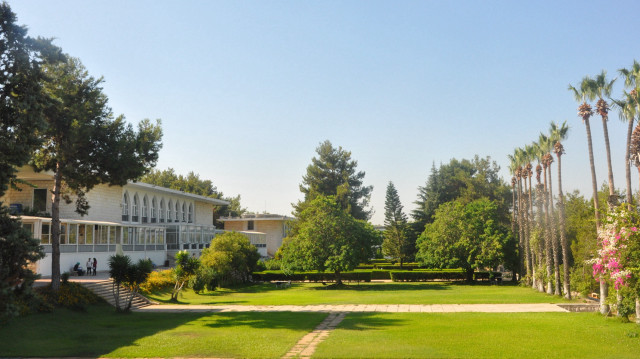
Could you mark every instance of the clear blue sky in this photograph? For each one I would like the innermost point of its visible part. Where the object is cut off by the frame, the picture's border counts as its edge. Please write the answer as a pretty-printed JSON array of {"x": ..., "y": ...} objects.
[{"x": 246, "y": 90}]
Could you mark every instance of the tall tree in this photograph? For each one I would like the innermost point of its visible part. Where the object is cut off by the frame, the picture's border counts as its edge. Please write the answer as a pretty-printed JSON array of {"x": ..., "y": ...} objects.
[
  {"x": 22, "y": 102},
  {"x": 600, "y": 88},
  {"x": 327, "y": 238},
  {"x": 84, "y": 146},
  {"x": 584, "y": 110},
  {"x": 628, "y": 110},
  {"x": 334, "y": 173},
  {"x": 397, "y": 239},
  {"x": 558, "y": 133}
]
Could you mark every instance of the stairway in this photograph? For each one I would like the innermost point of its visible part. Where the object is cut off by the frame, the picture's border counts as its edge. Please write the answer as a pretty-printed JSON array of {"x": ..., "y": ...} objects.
[{"x": 104, "y": 289}]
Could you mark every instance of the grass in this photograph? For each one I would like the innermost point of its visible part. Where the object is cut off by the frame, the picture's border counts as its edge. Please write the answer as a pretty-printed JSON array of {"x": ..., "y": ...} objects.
[
  {"x": 365, "y": 293},
  {"x": 481, "y": 335},
  {"x": 100, "y": 332}
]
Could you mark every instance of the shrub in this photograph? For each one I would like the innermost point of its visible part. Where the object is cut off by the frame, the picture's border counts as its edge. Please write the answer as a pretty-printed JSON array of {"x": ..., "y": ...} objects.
[
  {"x": 158, "y": 281},
  {"x": 272, "y": 264},
  {"x": 70, "y": 295},
  {"x": 423, "y": 276}
]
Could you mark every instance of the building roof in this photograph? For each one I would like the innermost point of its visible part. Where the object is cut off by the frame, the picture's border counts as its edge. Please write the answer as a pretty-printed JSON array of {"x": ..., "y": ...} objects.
[
  {"x": 257, "y": 217},
  {"x": 27, "y": 173},
  {"x": 215, "y": 201}
]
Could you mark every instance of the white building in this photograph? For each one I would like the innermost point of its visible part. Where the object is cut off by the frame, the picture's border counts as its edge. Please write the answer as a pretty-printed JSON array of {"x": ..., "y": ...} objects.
[
  {"x": 143, "y": 220},
  {"x": 265, "y": 231}
]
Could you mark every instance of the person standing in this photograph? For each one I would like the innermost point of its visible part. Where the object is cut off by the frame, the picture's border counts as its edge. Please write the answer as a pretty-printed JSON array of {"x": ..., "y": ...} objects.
[
  {"x": 89, "y": 266},
  {"x": 95, "y": 266}
]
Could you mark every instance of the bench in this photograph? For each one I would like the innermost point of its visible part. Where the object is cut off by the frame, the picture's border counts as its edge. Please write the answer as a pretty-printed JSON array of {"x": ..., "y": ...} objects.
[{"x": 282, "y": 283}]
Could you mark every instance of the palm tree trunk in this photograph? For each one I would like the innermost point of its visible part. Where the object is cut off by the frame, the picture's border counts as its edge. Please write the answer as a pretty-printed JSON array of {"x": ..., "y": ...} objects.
[
  {"x": 547, "y": 234},
  {"x": 55, "y": 230},
  {"x": 627, "y": 163},
  {"x": 563, "y": 235},
  {"x": 612, "y": 188},
  {"x": 554, "y": 238},
  {"x": 594, "y": 182}
]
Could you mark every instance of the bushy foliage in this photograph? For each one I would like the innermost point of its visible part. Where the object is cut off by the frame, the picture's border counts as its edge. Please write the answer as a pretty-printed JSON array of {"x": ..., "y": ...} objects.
[
  {"x": 186, "y": 268},
  {"x": 71, "y": 295},
  {"x": 231, "y": 258},
  {"x": 17, "y": 249},
  {"x": 470, "y": 236},
  {"x": 327, "y": 238},
  {"x": 158, "y": 281},
  {"x": 128, "y": 275}
]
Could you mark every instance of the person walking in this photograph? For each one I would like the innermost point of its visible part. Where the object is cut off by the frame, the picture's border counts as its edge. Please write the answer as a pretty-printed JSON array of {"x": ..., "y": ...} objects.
[
  {"x": 95, "y": 266},
  {"x": 89, "y": 266}
]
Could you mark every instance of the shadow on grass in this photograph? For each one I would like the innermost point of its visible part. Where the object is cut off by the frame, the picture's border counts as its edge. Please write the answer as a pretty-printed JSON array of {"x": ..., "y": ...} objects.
[
  {"x": 100, "y": 330},
  {"x": 368, "y": 321}
]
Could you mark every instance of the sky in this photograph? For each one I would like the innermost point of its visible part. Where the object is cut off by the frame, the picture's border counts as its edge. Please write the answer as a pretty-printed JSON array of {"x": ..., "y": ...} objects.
[{"x": 247, "y": 90}]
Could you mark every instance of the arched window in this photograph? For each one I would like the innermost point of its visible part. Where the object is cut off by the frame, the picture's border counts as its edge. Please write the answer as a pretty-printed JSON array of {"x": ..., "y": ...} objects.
[
  {"x": 184, "y": 212},
  {"x": 190, "y": 213},
  {"x": 125, "y": 207},
  {"x": 170, "y": 211},
  {"x": 145, "y": 209},
  {"x": 176, "y": 213},
  {"x": 161, "y": 211},
  {"x": 134, "y": 208},
  {"x": 154, "y": 208}
]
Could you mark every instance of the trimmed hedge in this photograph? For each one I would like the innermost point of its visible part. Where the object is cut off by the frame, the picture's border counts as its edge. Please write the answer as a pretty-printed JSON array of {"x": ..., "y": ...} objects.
[
  {"x": 424, "y": 276},
  {"x": 270, "y": 276}
]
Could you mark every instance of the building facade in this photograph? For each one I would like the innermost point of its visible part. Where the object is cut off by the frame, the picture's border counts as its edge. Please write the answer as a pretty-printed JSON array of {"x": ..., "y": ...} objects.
[
  {"x": 274, "y": 228},
  {"x": 137, "y": 219}
]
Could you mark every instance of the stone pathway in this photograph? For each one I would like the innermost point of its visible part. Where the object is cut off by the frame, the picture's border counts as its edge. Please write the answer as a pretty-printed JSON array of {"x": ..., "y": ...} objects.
[
  {"x": 352, "y": 308},
  {"x": 306, "y": 346}
]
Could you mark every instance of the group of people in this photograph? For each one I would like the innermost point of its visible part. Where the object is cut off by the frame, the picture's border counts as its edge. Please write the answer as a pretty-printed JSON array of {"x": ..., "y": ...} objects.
[{"x": 91, "y": 268}]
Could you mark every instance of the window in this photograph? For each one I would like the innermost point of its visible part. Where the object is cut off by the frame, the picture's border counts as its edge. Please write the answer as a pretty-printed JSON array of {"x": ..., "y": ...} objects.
[
  {"x": 169, "y": 211},
  {"x": 184, "y": 213},
  {"x": 134, "y": 209},
  {"x": 125, "y": 207},
  {"x": 73, "y": 233},
  {"x": 89, "y": 234},
  {"x": 161, "y": 212},
  {"x": 250, "y": 226},
  {"x": 176, "y": 213},
  {"x": 145, "y": 209},
  {"x": 81, "y": 235},
  {"x": 45, "y": 236},
  {"x": 154, "y": 205},
  {"x": 190, "y": 213},
  {"x": 63, "y": 234},
  {"x": 40, "y": 199}
]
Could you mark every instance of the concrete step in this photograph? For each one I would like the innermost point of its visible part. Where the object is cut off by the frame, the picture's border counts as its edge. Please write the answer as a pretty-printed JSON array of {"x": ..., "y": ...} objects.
[{"x": 104, "y": 289}]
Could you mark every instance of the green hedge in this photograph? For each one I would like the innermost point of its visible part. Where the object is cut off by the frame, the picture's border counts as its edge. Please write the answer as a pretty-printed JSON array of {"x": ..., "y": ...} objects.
[
  {"x": 423, "y": 276},
  {"x": 270, "y": 276}
]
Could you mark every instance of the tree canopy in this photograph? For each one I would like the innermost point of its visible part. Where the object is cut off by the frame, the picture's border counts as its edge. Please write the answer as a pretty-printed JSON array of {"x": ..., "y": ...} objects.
[
  {"x": 83, "y": 145},
  {"x": 231, "y": 257},
  {"x": 463, "y": 235},
  {"x": 327, "y": 237},
  {"x": 334, "y": 173},
  {"x": 468, "y": 180}
]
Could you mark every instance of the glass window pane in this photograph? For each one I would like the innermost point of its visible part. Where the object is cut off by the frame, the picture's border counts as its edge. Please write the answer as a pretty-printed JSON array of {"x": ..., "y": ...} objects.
[
  {"x": 73, "y": 233},
  {"x": 89, "y": 234},
  {"x": 45, "y": 236}
]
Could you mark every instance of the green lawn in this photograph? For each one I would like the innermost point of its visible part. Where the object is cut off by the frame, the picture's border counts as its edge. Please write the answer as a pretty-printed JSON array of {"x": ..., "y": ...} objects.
[
  {"x": 366, "y": 293},
  {"x": 102, "y": 332},
  {"x": 481, "y": 335}
]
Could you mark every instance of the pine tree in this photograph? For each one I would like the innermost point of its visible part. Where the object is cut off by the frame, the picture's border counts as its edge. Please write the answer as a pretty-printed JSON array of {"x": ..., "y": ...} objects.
[{"x": 397, "y": 242}]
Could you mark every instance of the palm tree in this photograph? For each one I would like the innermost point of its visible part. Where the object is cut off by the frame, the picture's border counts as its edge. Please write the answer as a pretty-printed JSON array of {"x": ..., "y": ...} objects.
[
  {"x": 528, "y": 154},
  {"x": 584, "y": 111},
  {"x": 601, "y": 87},
  {"x": 546, "y": 145},
  {"x": 628, "y": 113},
  {"x": 516, "y": 170},
  {"x": 635, "y": 159},
  {"x": 541, "y": 152},
  {"x": 557, "y": 134}
]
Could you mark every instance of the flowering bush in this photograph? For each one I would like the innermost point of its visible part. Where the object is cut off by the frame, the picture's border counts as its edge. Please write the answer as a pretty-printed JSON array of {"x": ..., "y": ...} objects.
[
  {"x": 613, "y": 238},
  {"x": 158, "y": 281}
]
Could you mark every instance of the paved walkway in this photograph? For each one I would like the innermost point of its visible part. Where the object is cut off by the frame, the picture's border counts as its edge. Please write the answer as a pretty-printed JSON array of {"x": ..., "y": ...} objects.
[{"x": 352, "y": 308}]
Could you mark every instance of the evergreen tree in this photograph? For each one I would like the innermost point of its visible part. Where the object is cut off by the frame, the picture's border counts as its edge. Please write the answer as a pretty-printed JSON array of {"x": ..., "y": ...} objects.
[
  {"x": 84, "y": 146},
  {"x": 397, "y": 242},
  {"x": 333, "y": 173}
]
